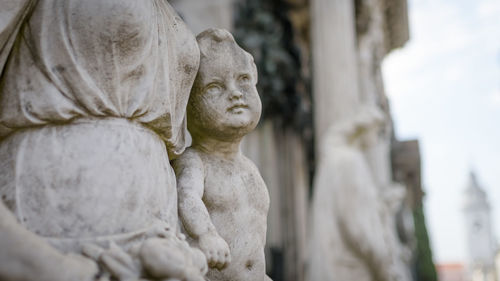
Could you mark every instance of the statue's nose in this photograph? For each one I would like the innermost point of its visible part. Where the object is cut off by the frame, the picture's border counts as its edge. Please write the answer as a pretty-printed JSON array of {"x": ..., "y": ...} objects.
[{"x": 236, "y": 94}]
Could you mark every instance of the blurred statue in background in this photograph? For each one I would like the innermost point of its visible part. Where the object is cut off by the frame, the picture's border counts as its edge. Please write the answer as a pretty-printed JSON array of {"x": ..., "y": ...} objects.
[
  {"x": 351, "y": 234},
  {"x": 223, "y": 200},
  {"x": 93, "y": 98}
]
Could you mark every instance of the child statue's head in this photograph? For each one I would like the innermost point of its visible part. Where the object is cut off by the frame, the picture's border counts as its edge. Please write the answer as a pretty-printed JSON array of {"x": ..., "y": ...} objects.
[{"x": 224, "y": 103}]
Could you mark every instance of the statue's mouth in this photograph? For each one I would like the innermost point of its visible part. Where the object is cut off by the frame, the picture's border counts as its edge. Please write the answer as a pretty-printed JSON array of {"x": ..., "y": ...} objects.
[{"x": 237, "y": 107}]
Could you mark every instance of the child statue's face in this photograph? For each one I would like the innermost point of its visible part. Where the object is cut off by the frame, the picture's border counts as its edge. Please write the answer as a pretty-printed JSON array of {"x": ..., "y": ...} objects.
[{"x": 227, "y": 100}]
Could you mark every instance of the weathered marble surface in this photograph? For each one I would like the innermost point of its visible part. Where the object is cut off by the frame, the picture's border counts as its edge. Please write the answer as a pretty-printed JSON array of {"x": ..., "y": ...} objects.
[
  {"x": 223, "y": 201},
  {"x": 93, "y": 103}
]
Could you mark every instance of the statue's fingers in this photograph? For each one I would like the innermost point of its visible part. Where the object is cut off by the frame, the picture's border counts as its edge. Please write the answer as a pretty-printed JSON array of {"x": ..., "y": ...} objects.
[
  {"x": 120, "y": 255},
  {"x": 220, "y": 265},
  {"x": 135, "y": 249},
  {"x": 117, "y": 269},
  {"x": 225, "y": 263},
  {"x": 227, "y": 257},
  {"x": 211, "y": 259},
  {"x": 220, "y": 260},
  {"x": 181, "y": 236},
  {"x": 92, "y": 251},
  {"x": 217, "y": 263}
]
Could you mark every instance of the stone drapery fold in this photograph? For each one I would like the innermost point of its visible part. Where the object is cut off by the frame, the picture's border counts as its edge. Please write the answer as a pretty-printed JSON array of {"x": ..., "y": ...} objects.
[{"x": 115, "y": 58}]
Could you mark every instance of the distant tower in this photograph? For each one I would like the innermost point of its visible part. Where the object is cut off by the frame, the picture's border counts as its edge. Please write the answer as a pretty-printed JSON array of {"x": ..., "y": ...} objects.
[{"x": 480, "y": 239}]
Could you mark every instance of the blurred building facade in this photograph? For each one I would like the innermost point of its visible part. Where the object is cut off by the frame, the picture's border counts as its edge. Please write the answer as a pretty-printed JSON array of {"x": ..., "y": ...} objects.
[
  {"x": 318, "y": 60},
  {"x": 482, "y": 247}
]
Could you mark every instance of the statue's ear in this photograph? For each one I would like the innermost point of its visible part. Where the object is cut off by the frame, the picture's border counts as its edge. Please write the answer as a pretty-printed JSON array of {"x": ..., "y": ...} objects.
[
  {"x": 12, "y": 20},
  {"x": 254, "y": 70}
]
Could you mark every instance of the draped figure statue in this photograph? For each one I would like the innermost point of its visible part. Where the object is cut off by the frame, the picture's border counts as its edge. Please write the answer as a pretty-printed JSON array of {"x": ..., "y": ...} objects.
[
  {"x": 351, "y": 234},
  {"x": 93, "y": 95}
]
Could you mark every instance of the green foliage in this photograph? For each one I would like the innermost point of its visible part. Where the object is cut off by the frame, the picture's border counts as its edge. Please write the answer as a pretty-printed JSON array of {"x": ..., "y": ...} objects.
[
  {"x": 425, "y": 269},
  {"x": 263, "y": 28}
]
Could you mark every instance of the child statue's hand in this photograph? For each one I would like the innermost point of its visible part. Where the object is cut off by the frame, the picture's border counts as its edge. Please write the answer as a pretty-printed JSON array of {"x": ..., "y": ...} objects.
[{"x": 215, "y": 249}]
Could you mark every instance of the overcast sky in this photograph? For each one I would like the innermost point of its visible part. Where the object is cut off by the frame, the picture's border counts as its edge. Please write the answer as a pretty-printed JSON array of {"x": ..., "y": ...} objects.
[{"x": 444, "y": 87}]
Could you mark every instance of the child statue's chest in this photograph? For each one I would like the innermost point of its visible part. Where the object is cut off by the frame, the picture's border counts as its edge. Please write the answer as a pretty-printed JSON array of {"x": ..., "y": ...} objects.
[{"x": 234, "y": 185}]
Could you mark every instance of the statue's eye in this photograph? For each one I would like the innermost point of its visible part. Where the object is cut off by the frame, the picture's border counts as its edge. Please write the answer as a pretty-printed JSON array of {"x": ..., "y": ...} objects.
[
  {"x": 245, "y": 78},
  {"x": 213, "y": 88}
]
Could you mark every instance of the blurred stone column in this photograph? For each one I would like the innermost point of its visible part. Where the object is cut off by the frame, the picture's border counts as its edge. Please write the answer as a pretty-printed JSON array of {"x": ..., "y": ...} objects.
[
  {"x": 279, "y": 155},
  {"x": 335, "y": 64}
]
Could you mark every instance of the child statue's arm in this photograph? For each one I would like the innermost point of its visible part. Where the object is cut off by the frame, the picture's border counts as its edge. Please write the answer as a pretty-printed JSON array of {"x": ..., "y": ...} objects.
[{"x": 193, "y": 212}]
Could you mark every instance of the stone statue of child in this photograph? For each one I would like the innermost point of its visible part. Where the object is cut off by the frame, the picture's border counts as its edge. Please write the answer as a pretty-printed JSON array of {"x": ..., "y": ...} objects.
[{"x": 223, "y": 201}]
